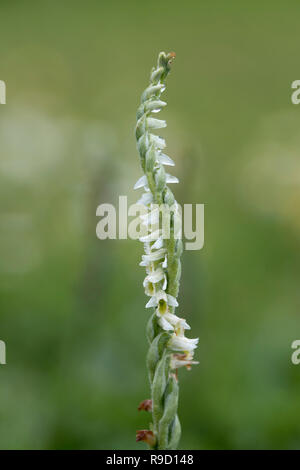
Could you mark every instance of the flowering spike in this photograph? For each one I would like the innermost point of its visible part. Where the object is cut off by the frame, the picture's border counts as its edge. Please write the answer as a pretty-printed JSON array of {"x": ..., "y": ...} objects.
[{"x": 169, "y": 348}]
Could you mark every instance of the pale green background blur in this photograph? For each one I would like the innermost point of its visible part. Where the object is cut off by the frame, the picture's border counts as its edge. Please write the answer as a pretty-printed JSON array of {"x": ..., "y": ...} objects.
[{"x": 72, "y": 306}]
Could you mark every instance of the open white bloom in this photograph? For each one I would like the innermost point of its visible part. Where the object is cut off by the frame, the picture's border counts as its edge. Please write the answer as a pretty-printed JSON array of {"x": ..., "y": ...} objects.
[
  {"x": 169, "y": 321},
  {"x": 181, "y": 343},
  {"x": 153, "y": 256},
  {"x": 153, "y": 278},
  {"x": 156, "y": 275},
  {"x": 161, "y": 300}
]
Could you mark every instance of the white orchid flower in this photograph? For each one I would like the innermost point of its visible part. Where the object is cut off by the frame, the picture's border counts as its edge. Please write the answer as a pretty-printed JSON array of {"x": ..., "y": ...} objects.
[
  {"x": 181, "y": 343},
  {"x": 169, "y": 321},
  {"x": 152, "y": 278},
  {"x": 161, "y": 300},
  {"x": 153, "y": 256}
]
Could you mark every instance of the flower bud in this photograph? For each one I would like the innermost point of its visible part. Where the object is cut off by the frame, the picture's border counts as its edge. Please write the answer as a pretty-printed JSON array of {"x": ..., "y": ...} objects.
[
  {"x": 160, "y": 178},
  {"x": 154, "y": 106},
  {"x": 140, "y": 127},
  {"x": 162, "y": 59},
  {"x": 153, "y": 123},
  {"x": 169, "y": 197},
  {"x": 150, "y": 158},
  {"x": 156, "y": 74},
  {"x": 152, "y": 90},
  {"x": 150, "y": 106},
  {"x": 143, "y": 143}
]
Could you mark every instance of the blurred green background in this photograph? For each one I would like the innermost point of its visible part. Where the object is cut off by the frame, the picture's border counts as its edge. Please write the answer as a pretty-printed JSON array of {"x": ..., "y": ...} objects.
[{"x": 72, "y": 306}]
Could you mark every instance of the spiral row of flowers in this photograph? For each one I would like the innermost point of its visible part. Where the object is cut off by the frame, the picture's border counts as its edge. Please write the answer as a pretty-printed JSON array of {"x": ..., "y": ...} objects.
[{"x": 169, "y": 348}]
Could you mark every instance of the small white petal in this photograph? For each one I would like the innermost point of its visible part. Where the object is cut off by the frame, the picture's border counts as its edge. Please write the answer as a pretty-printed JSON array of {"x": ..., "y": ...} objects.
[
  {"x": 141, "y": 182},
  {"x": 161, "y": 295},
  {"x": 181, "y": 343},
  {"x": 175, "y": 321},
  {"x": 156, "y": 276},
  {"x": 150, "y": 237},
  {"x": 166, "y": 160},
  {"x": 144, "y": 263},
  {"x": 157, "y": 245},
  {"x": 154, "y": 255},
  {"x": 165, "y": 284},
  {"x": 154, "y": 106},
  {"x": 171, "y": 179},
  {"x": 165, "y": 263},
  {"x": 165, "y": 324},
  {"x": 151, "y": 90},
  {"x": 152, "y": 302},
  {"x": 154, "y": 123},
  {"x": 184, "y": 324},
  {"x": 158, "y": 141},
  {"x": 172, "y": 301}
]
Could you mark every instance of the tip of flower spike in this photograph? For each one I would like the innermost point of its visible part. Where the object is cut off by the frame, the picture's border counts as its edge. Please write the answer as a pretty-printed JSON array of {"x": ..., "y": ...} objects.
[
  {"x": 171, "y": 55},
  {"x": 165, "y": 61}
]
